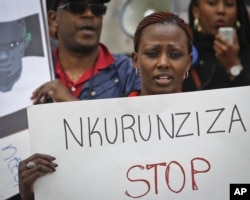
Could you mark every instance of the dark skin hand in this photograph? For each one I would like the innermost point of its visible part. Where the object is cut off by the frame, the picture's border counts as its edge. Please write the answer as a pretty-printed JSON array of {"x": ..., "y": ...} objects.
[
  {"x": 27, "y": 177},
  {"x": 227, "y": 53},
  {"x": 54, "y": 90}
]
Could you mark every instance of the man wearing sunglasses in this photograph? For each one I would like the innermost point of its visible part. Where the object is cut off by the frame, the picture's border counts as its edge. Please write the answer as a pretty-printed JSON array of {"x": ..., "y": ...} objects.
[{"x": 84, "y": 67}]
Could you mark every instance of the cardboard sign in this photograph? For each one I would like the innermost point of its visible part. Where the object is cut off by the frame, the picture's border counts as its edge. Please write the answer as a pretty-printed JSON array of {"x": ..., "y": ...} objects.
[{"x": 176, "y": 146}]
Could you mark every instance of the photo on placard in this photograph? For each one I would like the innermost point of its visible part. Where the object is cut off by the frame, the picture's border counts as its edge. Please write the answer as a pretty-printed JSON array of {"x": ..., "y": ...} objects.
[{"x": 23, "y": 68}]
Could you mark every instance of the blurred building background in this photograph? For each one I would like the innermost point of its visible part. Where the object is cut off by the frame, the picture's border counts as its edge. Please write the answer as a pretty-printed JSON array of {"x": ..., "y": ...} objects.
[{"x": 127, "y": 13}]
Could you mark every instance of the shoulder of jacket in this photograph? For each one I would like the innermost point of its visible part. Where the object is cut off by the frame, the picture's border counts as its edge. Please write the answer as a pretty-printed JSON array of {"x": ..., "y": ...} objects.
[{"x": 122, "y": 60}]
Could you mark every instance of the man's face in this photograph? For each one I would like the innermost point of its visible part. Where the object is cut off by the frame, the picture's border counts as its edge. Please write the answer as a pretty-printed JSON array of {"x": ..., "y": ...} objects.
[
  {"x": 12, "y": 46},
  {"x": 79, "y": 31}
]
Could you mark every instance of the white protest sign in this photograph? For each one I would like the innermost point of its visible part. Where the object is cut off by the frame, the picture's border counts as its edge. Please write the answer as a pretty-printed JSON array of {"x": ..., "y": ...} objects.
[{"x": 176, "y": 146}]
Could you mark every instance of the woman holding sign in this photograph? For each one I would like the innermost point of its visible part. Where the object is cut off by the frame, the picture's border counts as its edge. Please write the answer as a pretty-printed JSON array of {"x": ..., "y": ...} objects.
[{"x": 162, "y": 57}]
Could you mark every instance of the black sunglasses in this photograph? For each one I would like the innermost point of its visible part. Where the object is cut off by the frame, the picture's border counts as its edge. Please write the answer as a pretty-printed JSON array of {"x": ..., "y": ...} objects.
[{"x": 80, "y": 7}]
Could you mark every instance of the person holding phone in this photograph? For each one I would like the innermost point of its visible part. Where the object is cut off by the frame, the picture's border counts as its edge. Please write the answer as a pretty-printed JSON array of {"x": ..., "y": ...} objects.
[{"x": 220, "y": 63}]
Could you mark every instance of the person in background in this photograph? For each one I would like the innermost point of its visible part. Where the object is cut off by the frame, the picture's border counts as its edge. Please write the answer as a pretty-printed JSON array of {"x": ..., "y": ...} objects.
[
  {"x": 247, "y": 2},
  {"x": 51, "y": 5},
  {"x": 162, "y": 53},
  {"x": 219, "y": 63},
  {"x": 84, "y": 68}
]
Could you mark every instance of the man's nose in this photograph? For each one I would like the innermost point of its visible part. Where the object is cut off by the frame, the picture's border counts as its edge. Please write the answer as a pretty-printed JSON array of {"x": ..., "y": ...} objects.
[{"x": 87, "y": 12}]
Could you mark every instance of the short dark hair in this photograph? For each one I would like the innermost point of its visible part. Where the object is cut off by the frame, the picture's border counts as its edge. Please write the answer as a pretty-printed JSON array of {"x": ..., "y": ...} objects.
[
  {"x": 162, "y": 17},
  {"x": 53, "y": 4},
  {"x": 99, "y": 1}
]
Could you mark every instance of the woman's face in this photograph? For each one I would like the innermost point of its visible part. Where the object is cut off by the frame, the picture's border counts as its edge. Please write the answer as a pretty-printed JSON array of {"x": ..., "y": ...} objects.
[
  {"x": 213, "y": 14},
  {"x": 162, "y": 58}
]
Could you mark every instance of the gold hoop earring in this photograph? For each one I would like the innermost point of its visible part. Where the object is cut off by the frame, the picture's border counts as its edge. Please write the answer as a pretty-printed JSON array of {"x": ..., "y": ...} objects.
[
  {"x": 238, "y": 24},
  {"x": 186, "y": 75},
  {"x": 137, "y": 71},
  {"x": 197, "y": 25}
]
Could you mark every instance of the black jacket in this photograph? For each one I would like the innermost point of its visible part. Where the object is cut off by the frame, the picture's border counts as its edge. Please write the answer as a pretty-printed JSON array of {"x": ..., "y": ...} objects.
[{"x": 211, "y": 73}]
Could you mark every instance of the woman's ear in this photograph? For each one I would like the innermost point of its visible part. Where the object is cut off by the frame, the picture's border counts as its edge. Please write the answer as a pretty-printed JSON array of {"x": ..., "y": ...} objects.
[
  {"x": 135, "y": 59},
  {"x": 195, "y": 11},
  {"x": 190, "y": 59},
  {"x": 189, "y": 63}
]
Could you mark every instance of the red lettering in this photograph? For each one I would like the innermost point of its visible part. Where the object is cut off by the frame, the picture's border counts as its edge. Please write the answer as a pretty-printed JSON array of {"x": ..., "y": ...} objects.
[
  {"x": 137, "y": 180},
  {"x": 199, "y": 161},
  {"x": 198, "y": 165},
  {"x": 150, "y": 166},
  {"x": 167, "y": 176}
]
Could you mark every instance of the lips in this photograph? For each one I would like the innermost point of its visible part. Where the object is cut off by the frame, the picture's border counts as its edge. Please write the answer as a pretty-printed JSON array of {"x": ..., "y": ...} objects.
[
  {"x": 163, "y": 76},
  {"x": 87, "y": 29},
  {"x": 163, "y": 79},
  {"x": 220, "y": 23}
]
